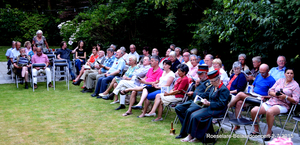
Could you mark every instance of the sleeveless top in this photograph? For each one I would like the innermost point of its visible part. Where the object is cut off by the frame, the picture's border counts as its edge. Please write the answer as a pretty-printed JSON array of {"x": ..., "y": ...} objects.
[{"x": 40, "y": 43}]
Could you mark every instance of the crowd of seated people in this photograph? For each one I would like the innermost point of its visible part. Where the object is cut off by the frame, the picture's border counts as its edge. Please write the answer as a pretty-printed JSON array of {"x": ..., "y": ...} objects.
[{"x": 108, "y": 74}]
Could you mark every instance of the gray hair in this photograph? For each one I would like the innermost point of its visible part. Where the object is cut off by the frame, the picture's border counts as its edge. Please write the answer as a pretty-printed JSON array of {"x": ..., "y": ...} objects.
[
  {"x": 256, "y": 58},
  {"x": 122, "y": 52},
  {"x": 123, "y": 49},
  {"x": 237, "y": 64},
  {"x": 173, "y": 45},
  {"x": 39, "y": 32},
  {"x": 281, "y": 56},
  {"x": 242, "y": 55},
  {"x": 210, "y": 56},
  {"x": 133, "y": 46},
  {"x": 113, "y": 46},
  {"x": 193, "y": 55},
  {"x": 110, "y": 49},
  {"x": 22, "y": 48},
  {"x": 155, "y": 57},
  {"x": 194, "y": 51},
  {"x": 172, "y": 53},
  {"x": 133, "y": 57},
  {"x": 149, "y": 57},
  {"x": 178, "y": 48}
]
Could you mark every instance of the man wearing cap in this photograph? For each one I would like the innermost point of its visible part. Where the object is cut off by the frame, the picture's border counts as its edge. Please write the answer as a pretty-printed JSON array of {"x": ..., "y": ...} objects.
[
  {"x": 184, "y": 110},
  {"x": 199, "y": 123}
]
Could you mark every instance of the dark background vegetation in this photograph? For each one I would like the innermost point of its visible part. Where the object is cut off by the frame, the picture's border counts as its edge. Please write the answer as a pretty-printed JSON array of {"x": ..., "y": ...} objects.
[{"x": 220, "y": 27}]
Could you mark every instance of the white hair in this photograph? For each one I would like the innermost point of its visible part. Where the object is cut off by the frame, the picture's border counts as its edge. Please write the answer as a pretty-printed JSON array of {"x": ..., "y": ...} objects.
[
  {"x": 39, "y": 32},
  {"x": 242, "y": 55},
  {"x": 172, "y": 53}
]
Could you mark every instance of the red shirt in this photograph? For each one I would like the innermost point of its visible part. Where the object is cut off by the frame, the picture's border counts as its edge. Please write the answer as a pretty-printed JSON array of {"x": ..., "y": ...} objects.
[
  {"x": 182, "y": 85},
  {"x": 93, "y": 58}
]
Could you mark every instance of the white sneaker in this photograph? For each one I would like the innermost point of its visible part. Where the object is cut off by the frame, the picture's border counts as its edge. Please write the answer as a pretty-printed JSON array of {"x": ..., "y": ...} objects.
[
  {"x": 102, "y": 95},
  {"x": 115, "y": 102},
  {"x": 148, "y": 115}
]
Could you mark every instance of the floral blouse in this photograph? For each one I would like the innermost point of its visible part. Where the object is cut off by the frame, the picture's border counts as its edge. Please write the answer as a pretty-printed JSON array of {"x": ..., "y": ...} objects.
[{"x": 129, "y": 72}]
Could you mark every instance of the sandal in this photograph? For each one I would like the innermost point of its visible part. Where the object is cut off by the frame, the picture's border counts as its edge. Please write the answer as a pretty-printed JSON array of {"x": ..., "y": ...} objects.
[
  {"x": 127, "y": 113},
  {"x": 186, "y": 139},
  {"x": 194, "y": 140},
  {"x": 124, "y": 92}
]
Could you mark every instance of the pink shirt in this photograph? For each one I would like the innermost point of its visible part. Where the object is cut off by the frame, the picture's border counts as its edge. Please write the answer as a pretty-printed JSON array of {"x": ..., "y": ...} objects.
[
  {"x": 292, "y": 90},
  {"x": 152, "y": 76},
  {"x": 40, "y": 59},
  {"x": 193, "y": 72}
]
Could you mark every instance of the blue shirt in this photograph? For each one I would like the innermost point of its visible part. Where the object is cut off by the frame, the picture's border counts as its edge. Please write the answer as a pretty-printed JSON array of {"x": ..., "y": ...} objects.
[
  {"x": 276, "y": 73},
  {"x": 31, "y": 53},
  {"x": 8, "y": 52},
  {"x": 119, "y": 64},
  {"x": 108, "y": 63},
  {"x": 262, "y": 85},
  {"x": 201, "y": 62}
]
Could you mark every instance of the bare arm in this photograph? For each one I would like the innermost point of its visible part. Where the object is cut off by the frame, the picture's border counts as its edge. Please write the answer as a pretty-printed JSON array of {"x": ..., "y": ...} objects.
[{"x": 46, "y": 44}]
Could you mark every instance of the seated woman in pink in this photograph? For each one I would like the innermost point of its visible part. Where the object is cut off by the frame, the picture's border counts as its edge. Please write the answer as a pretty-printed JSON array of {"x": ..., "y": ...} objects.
[
  {"x": 283, "y": 94},
  {"x": 175, "y": 95}
]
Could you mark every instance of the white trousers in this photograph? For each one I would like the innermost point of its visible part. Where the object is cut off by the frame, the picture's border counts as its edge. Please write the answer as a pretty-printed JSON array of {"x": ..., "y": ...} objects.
[
  {"x": 123, "y": 84},
  {"x": 37, "y": 72}
]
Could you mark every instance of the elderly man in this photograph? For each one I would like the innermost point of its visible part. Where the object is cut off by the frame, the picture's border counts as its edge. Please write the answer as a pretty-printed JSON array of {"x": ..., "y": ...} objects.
[
  {"x": 263, "y": 82},
  {"x": 208, "y": 61},
  {"x": 186, "y": 109},
  {"x": 174, "y": 60},
  {"x": 116, "y": 69},
  {"x": 132, "y": 48},
  {"x": 113, "y": 46},
  {"x": 64, "y": 53},
  {"x": 242, "y": 59},
  {"x": 21, "y": 65},
  {"x": 103, "y": 68},
  {"x": 155, "y": 52},
  {"x": 151, "y": 77},
  {"x": 178, "y": 54},
  {"x": 278, "y": 72},
  {"x": 15, "y": 52},
  {"x": 165, "y": 58},
  {"x": 134, "y": 82},
  {"x": 256, "y": 61},
  {"x": 7, "y": 54},
  {"x": 186, "y": 59},
  {"x": 41, "y": 58}
]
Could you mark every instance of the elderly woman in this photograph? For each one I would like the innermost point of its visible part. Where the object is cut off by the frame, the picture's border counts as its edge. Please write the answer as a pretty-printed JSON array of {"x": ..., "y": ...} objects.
[
  {"x": 149, "y": 92},
  {"x": 128, "y": 75},
  {"x": 200, "y": 121},
  {"x": 242, "y": 59},
  {"x": 92, "y": 59},
  {"x": 125, "y": 54},
  {"x": 40, "y": 41},
  {"x": 217, "y": 64},
  {"x": 283, "y": 94},
  {"x": 80, "y": 56},
  {"x": 27, "y": 46},
  {"x": 21, "y": 65},
  {"x": 174, "y": 60},
  {"x": 175, "y": 95},
  {"x": 238, "y": 81}
]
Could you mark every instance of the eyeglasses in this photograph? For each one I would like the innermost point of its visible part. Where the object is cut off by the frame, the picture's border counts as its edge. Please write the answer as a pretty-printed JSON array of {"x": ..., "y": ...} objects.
[{"x": 263, "y": 73}]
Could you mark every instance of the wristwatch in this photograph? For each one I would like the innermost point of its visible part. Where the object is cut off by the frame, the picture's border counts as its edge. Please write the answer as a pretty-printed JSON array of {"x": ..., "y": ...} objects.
[{"x": 286, "y": 97}]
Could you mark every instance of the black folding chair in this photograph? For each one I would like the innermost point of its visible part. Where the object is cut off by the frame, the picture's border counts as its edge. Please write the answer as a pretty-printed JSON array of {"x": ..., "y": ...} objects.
[
  {"x": 245, "y": 122},
  {"x": 58, "y": 63}
]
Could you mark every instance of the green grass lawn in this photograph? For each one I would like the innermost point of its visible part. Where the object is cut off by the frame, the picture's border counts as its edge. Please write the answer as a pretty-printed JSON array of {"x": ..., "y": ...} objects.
[
  {"x": 4, "y": 48},
  {"x": 71, "y": 117}
]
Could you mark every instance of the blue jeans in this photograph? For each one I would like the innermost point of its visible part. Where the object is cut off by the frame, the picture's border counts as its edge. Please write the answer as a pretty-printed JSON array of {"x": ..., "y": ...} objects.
[
  {"x": 102, "y": 84},
  {"x": 78, "y": 64},
  {"x": 70, "y": 70},
  {"x": 8, "y": 64}
]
